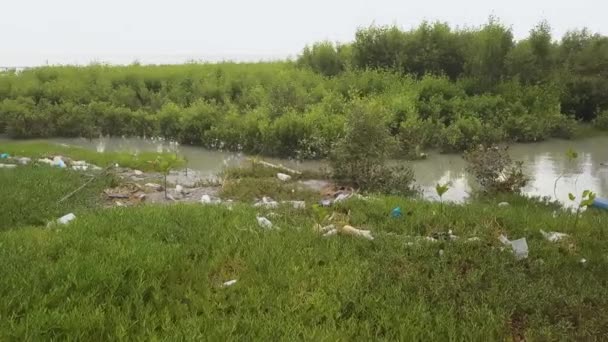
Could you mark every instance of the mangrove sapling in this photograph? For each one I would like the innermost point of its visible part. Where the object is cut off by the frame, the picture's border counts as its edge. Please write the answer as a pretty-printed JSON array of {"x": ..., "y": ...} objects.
[
  {"x": 441, "y": 189},
  {"x": 587, "y": 199},
  {"x": 571, "y": 155},
  {"x": 164, "y": 166}
]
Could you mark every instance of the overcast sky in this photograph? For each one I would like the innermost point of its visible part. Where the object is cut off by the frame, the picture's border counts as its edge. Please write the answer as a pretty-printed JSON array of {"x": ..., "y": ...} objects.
[{"x": 174, "y": 31}]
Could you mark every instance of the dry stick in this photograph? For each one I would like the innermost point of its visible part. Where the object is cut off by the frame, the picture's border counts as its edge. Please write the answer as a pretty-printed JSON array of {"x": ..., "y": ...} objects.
[
  {"x": 280, "y": 167},
  {"x": 82, "y": 186}
]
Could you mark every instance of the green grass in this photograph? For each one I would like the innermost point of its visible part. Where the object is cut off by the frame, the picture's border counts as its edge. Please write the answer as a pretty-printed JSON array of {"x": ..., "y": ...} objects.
[
  {"x": 39, "y": 149},
  {"x": 29, "y": 195},
  {"x": 155, "y": 273}
]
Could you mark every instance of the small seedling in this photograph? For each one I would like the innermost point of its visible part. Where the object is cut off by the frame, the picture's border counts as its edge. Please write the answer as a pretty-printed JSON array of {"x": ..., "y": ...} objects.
[
  {"x": 164, "y": 166},
  {"x": 571, "y": 156},
  {"x": 587, "y": 199},
  {"x": 441, "y": 189}
]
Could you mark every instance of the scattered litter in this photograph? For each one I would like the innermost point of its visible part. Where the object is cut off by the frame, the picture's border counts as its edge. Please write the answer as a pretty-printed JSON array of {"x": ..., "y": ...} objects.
[
  {"x": 331, "y": 232},
  {"x": 66, "y": 218},
  {"x": 45, "y": 161},
  {"x": 504, "y": 239},
  {"x": 553, "y": 236},
  {"x": 445, "y": 236},
  {"x": 341, "y": 197},
  {"x": 80, "y": 167},
  {"x": 79, "y": 163},
  {"x": 119, "y": 204},
  {"x": 441, "y": 252},
  {"x": 229, "y": 283},
  {"x": 519, "y": 246},
  {"x": 583, "y": 261},
  {"x": 267, "y": 202},
  {"x": 206, "y": 199},
  {"x": 283, "y": 177},
  {"x": 123, "y": 196},
  {"x": 348, "y": 230},
  {"x": 431, "y": 239},
  {"x": 137, "y": 172},
  {"x": 325, "y": 203},
  {"x": 503, "y": 204},
  {"x": 264, "y": 222},
  {"x": 58, "y": 161},
  {"x": 296, "y": 204},
  {"x": 7, "y": 166},
  {"x": 170, "y": 197},
  {"x": 179, "y": 189},
  {"x": 554, "y": 214},
  {"x": 4, "y": 156},
  {"x": 325, "y": 229},
  {"x": 473, "y": 239},
  {"x": 396, "y": 212},
  {"x": 154, "y": 186},
  {"x": 24, "y": 160}
]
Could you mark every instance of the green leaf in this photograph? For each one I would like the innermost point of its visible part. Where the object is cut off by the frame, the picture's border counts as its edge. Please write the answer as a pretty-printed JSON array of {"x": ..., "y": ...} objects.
[
  {"x": 571, "y": 154},
  {"x": 442, "y": 189},
  {"x": 571, "y": 197},
  {"x": 592, "y": 196},
  {"x": 586, "y": 193}
]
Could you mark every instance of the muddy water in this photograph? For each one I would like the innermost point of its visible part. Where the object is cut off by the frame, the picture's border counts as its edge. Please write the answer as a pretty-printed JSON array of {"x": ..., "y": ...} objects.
[{"x": 543, "y": 161}]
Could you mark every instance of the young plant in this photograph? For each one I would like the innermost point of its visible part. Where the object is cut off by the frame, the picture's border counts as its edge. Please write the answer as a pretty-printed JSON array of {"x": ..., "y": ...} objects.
[
  {"x": 587, "y": 199},
  {"x": 164, "y": 165},
  {"x": 441, "y": 189},
  {"x": 571, "y": 155}
]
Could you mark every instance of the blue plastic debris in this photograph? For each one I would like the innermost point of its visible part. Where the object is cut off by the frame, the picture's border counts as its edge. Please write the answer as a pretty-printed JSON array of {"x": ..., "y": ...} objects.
[
  {"x": 396, "y": 212},
  {"x": 4, "y": 156},
  {"x": 601, "y": 203}
]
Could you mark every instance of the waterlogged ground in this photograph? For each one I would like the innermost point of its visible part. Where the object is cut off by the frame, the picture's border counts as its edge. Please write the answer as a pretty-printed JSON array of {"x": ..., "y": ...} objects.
[{"x": 544, "y": 162}]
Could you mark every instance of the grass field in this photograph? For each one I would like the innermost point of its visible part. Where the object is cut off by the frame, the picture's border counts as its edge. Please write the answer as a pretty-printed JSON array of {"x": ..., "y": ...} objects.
[{"x": 156, "y": 272}]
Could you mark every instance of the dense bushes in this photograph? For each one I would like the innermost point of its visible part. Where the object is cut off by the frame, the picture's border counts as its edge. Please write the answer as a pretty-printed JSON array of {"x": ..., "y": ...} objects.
[
  {"x": 434, "y": 86},
  {"x": 360, "y": 156}
]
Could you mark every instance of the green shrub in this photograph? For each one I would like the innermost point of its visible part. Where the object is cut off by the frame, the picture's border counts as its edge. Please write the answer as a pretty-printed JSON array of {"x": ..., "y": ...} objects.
[
  {"x": 360, "y": 156},
  {"x": 563, "y": 126},
  {"x": 601, "y": 121},
  {"x": 494, "y": 170}
]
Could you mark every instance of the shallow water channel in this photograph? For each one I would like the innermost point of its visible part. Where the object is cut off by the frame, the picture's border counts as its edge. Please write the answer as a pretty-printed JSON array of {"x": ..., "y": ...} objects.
[{"x": 544, "y": 162}]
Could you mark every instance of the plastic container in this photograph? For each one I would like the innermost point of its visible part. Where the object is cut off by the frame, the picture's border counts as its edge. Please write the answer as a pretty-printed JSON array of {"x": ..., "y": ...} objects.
[{"x": 601, "y": 203}]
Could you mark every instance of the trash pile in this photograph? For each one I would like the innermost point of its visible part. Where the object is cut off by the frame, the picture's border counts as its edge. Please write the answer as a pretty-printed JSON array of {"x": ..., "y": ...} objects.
[{"x": 56, "y": 161}]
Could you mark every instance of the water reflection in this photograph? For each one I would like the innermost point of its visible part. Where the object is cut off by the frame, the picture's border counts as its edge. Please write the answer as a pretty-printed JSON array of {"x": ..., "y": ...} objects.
[{"x": 544, "y": 162}]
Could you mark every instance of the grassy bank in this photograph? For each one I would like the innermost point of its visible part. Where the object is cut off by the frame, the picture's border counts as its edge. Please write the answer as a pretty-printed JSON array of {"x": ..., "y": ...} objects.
[
  {"x": 156, "y": 272},
  {"x": 38, "y": 149}
]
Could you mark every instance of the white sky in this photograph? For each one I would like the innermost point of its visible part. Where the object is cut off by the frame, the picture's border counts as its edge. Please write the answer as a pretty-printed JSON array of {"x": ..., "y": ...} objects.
[{"x": 174, "y": 31}]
